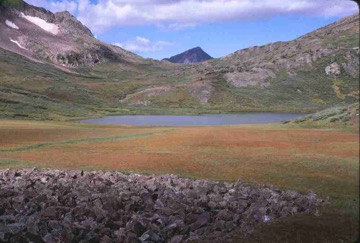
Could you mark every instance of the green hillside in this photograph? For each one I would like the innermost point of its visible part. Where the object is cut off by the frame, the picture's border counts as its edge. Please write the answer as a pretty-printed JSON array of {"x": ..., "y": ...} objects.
[{"x": 283, "y": 76}]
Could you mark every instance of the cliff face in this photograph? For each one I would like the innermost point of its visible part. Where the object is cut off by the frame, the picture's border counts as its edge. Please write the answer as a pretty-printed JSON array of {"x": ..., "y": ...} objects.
[{"x": 58, "y": 38}]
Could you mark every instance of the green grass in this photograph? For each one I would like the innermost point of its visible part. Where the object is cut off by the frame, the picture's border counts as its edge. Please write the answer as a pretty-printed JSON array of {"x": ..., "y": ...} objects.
[
  {"x": 77, "y": 141},
  {"x": 340, "y": 117},
  {"x": 16, "y": 164},
  {"x": 19, "y": 164}
]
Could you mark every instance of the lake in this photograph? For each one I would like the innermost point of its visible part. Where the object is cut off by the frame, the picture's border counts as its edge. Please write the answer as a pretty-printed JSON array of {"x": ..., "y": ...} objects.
[{"x": 198, "y": 120}]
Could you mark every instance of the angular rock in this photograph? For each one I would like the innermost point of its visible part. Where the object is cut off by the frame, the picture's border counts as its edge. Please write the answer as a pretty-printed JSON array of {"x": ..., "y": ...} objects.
[{"x": 77, "y": 206}]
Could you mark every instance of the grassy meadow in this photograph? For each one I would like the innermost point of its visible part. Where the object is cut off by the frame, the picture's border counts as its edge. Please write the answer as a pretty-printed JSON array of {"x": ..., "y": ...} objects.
[{"x": 325, "y": 161}]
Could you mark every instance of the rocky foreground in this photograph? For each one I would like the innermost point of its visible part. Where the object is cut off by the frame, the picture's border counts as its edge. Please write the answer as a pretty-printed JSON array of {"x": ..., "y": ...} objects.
[{"x": 75, "y": 206}]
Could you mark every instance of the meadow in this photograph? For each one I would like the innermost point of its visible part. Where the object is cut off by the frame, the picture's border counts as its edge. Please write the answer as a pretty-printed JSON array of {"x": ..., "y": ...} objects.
[{"x": 324, "y": 161}]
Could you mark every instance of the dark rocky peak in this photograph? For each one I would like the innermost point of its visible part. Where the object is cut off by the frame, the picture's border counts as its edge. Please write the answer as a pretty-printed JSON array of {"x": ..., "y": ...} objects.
[
  {"x": 194, "y": 55},
  {"x": 196, "y": 49}
]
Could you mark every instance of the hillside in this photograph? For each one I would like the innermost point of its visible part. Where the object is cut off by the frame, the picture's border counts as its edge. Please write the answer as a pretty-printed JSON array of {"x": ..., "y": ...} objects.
[
  {"x": 313, "y": 72},
  {"x": 63, "y": 72},
  {"x": 194, "y": 55},
  {"x": 335, "y": 117}
]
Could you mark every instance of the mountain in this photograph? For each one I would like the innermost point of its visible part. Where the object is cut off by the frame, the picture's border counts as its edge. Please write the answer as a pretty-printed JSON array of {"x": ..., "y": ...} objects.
[
  {"x": 52, "y": 67},
  {"x": 56, "y": 38},
  {"x": 194, "y": 55},
  {"x": 313, "y": 72}
]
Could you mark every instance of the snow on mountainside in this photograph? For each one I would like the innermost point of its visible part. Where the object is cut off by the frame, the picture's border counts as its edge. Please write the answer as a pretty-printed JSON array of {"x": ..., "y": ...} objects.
[
  {"x": 49, "y": 27},
  {"x": 58, "y": 38},
  {"x": 11, "y": 24}
]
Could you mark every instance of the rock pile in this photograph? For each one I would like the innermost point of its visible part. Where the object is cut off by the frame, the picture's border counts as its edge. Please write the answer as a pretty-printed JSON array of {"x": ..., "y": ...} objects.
[{"x": 76, "y": 206}]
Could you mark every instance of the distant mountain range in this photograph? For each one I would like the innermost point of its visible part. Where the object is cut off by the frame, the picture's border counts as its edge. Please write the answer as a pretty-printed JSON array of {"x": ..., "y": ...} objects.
[{"x": 194, "y": 55}]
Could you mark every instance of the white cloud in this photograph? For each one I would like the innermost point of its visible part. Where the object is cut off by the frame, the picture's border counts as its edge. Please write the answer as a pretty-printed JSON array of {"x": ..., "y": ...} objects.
[
  {"x": 180, "y": 26},
  {"x": 178, "y": 14},
  {"x": 143, "y": 45}
]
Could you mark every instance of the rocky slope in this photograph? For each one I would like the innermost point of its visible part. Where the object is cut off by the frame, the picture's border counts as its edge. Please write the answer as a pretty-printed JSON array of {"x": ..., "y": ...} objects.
[
  {"x": 315, "y": 71},
  {"x": 194, "y": 55},
  {"x": 73, "y": 206},
  {"x": 257, "y": 65},
  {"x": 57, "y": 38}
]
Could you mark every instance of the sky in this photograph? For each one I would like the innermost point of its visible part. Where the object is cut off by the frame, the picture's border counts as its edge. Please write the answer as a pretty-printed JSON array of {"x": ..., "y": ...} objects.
[{"x": 162, "y": 28}]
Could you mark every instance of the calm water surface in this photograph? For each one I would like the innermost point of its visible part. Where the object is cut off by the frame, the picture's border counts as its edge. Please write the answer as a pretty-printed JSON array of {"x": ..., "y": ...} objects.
[{"x": 199, "y": 120}]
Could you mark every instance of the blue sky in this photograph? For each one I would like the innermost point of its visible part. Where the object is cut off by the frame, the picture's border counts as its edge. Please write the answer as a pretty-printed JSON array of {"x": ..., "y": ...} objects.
[
  {"x": 219, "y": 39},
  {"x": 163, "y": 28}
]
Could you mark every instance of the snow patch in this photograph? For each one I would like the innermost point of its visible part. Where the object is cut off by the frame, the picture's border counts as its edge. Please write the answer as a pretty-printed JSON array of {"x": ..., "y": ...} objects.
[
  {"x": 51, "y": 28},
  {"x": 11, "y": 24},
  {"x": 17, "y": 43}
]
